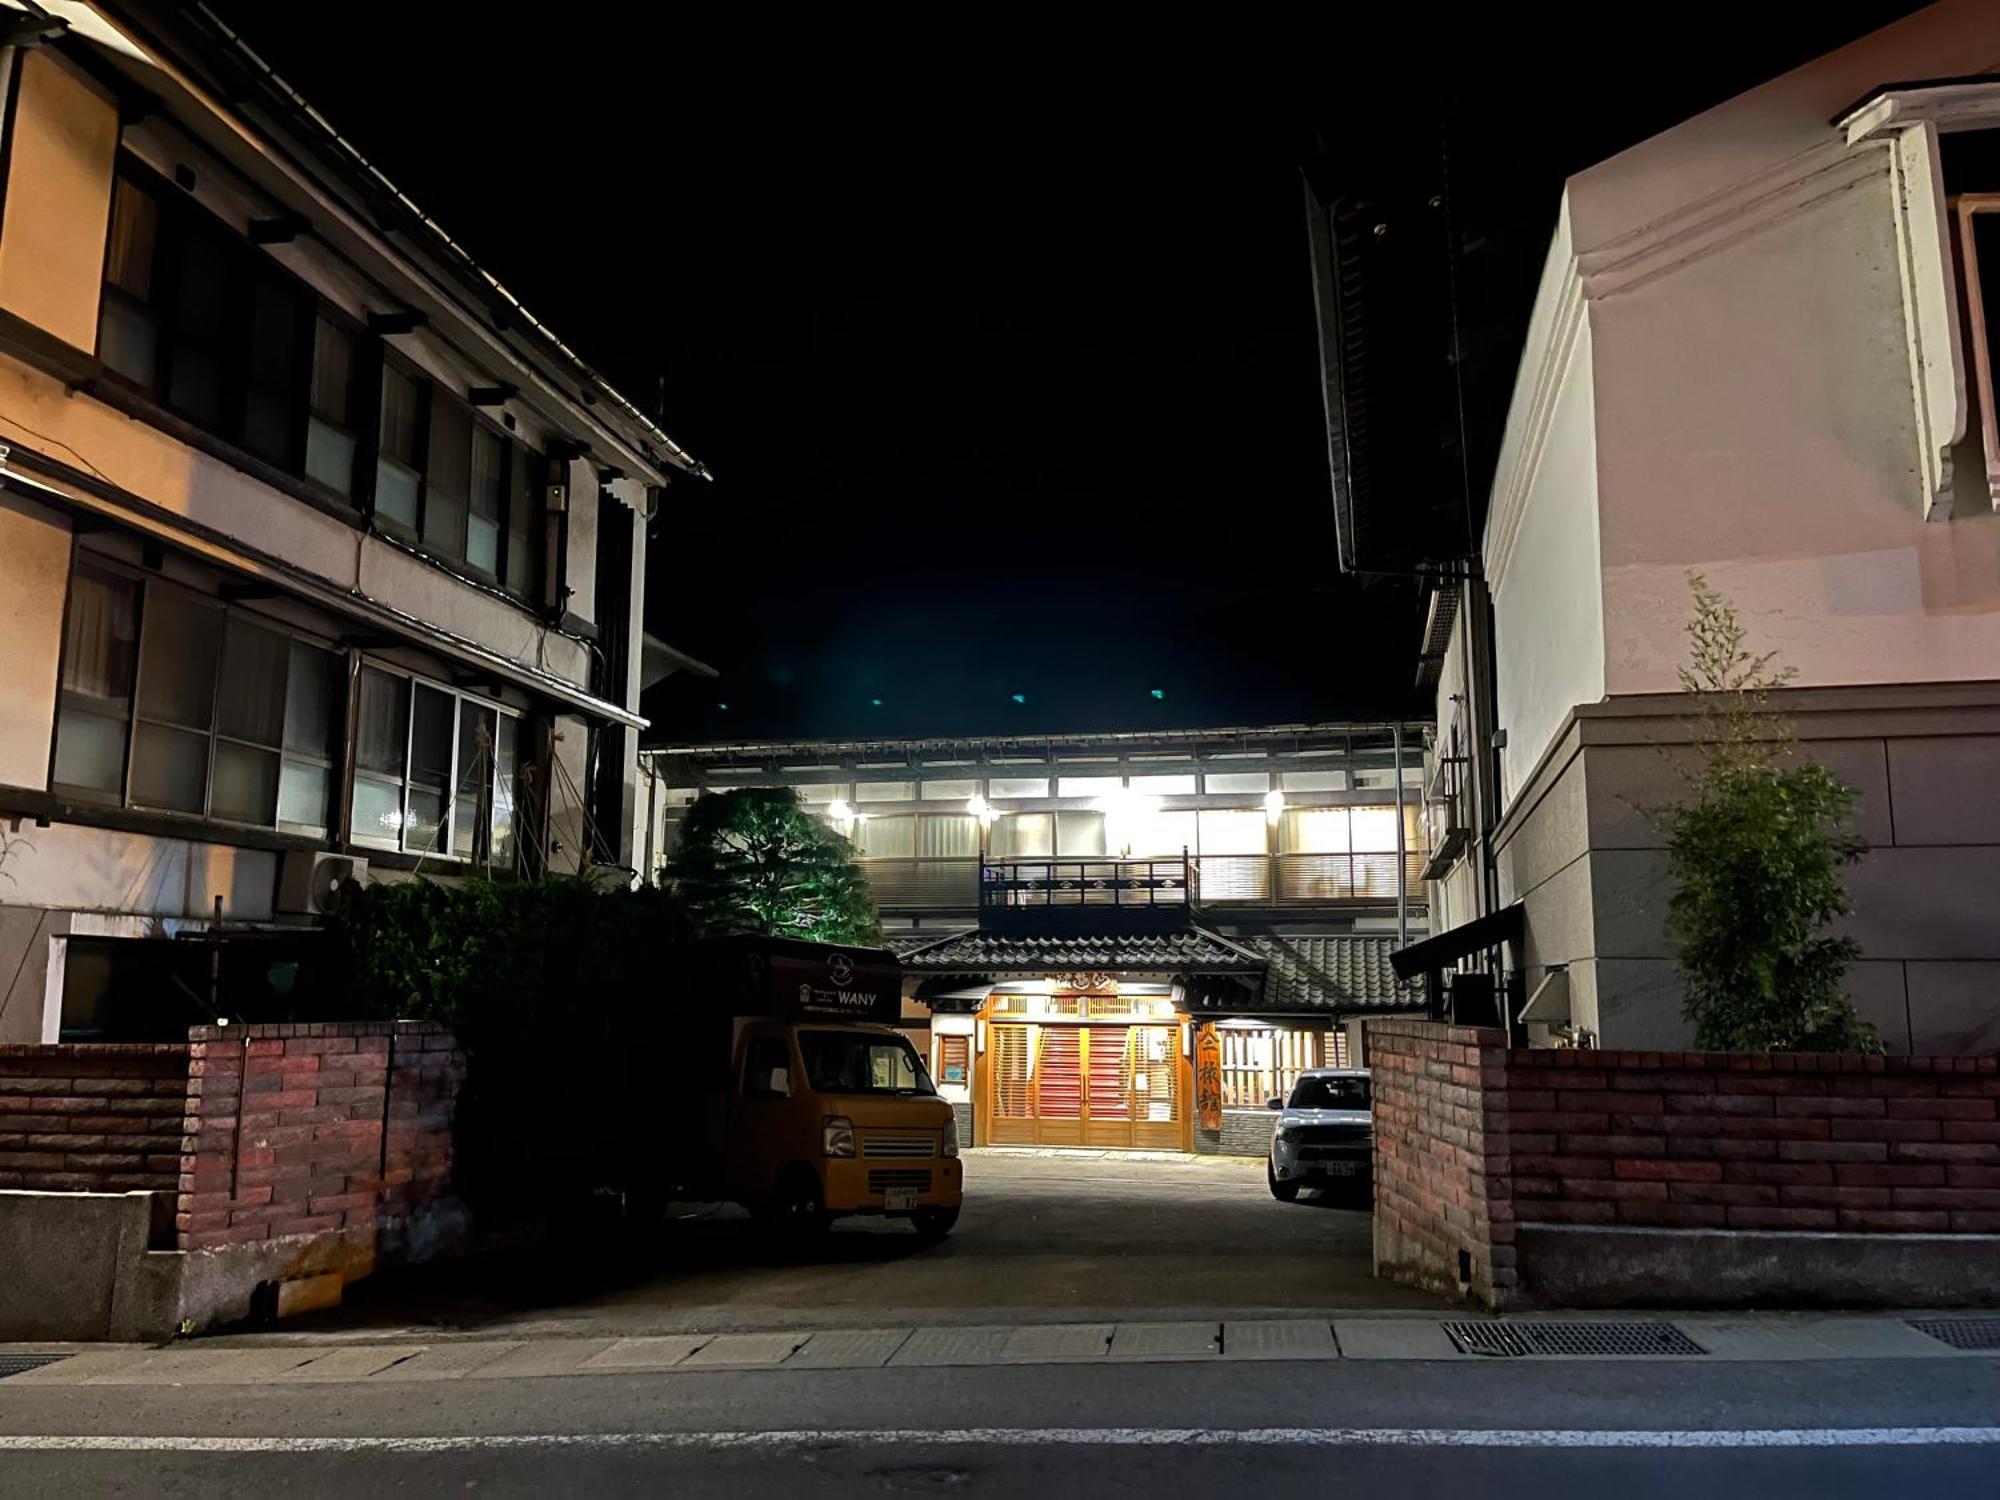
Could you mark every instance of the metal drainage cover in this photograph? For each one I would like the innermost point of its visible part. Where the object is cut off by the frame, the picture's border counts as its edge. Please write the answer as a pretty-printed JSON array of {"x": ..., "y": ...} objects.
[
  {"x": 18, "y": 1364},
  {"x": 1961, "y": 1333},
  {"x": 1585, "y": 1340}
]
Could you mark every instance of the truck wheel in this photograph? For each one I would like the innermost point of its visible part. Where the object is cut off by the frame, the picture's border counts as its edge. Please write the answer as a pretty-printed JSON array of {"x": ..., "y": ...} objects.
[
  {"x": 796, "y": 1209},
  {"x": 933, "y": 1224},
  {"x": 1284, "y": 1192}
]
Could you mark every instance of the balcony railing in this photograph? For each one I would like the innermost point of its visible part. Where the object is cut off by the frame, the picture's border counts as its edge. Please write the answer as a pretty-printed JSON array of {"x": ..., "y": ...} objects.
[
  {"x": 923, "y": 884},
  {"x": 1040, "y": 884}
]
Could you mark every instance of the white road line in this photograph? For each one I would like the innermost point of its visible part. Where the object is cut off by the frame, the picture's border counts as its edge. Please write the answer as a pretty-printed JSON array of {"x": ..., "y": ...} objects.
[{"x": 1037, "y": 1437}]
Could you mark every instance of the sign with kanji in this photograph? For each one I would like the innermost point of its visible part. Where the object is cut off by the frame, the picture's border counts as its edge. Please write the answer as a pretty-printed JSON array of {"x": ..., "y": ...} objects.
[{"x": 1208, "y": 1078}]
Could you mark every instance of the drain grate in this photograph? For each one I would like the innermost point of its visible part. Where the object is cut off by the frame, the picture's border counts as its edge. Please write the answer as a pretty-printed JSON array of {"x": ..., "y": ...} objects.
[
  {"x": 1583, "y": 1340},
  {"x": 1961, "y": 1333},
  {"x": 20, "y": 1364}
]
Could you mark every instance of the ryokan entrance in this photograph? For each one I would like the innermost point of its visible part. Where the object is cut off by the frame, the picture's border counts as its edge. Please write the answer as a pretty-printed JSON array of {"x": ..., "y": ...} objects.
[{"x": 1084, "y": 1069}]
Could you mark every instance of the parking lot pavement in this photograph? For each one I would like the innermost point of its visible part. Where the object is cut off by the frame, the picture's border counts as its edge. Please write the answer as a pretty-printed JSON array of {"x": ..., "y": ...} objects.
[{"x": 1045, "y": 1237}]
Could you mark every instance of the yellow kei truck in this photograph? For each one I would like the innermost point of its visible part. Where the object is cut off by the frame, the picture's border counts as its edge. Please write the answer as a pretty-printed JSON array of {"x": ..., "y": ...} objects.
[{"x": 807, "y": 1106}]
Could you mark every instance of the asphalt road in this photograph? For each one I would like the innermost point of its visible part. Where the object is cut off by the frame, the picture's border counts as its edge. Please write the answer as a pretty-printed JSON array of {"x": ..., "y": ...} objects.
[
  {"x": 1042, "y": 1239},
  {"x": 1828, "y": 1429}
]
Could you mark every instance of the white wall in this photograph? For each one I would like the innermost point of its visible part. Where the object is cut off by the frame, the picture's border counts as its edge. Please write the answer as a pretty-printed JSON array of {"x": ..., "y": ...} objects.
[{"x": 74, "y": 868}]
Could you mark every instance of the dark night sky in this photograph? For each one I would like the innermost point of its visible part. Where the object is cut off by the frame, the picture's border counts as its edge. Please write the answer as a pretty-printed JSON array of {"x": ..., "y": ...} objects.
[{"x": 997, "y": 333}]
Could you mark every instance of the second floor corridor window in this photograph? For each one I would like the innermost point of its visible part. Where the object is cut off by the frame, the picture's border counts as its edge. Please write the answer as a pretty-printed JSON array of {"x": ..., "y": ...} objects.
[{"x": 433, "y": 770}]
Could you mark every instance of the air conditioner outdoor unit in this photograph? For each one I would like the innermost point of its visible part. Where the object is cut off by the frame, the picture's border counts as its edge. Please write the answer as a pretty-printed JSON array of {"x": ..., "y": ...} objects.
[{"x": 310, "y": 880}]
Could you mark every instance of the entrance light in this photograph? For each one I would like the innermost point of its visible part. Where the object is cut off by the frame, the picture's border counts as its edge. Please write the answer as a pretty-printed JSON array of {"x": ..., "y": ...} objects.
[{"x": 1274, "y": 805}]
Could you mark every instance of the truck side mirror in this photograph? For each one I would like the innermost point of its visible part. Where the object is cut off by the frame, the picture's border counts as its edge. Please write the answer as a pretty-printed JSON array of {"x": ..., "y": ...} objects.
[{"x": 781, "y": 1082}]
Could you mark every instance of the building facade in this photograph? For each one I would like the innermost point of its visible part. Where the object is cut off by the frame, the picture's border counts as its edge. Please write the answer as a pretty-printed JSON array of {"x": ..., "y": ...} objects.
[
  {"x": 1125, "y": 941},
  {"x": 1762, "y": 352},
  {"x": 320, "y": 556}
]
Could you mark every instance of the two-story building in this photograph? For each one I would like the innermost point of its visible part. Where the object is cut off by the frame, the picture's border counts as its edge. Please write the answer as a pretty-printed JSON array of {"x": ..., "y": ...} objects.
[
  {"x": 321, "y": 557},
  {"x": 1084, "y": 919},
  {"x": 1763, "y": 350}
]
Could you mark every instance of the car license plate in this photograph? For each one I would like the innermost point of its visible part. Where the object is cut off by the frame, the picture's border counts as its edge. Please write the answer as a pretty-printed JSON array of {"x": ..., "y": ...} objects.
[
  {"x": 896, "y": 1198},
  {"x": 1339, "y": 1168}
]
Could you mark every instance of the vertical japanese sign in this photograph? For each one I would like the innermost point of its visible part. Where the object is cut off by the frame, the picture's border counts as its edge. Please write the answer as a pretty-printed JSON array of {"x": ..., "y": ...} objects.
[{"x": 1208, "y": 1077}]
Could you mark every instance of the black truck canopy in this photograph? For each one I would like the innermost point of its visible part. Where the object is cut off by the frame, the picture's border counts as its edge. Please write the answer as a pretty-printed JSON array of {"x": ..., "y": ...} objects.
[{"x": 796, "y": 981}]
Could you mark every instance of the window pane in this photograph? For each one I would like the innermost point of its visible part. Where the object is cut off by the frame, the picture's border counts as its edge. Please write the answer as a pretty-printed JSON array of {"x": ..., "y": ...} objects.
[
  {"x": 1233, "y": 832},
  {"x": 246, "y": 784},
  {"x": 1080, "y": 833},
  {"x": 302, "y": 797},
  {"x": 100, "y": 639},
  {"x": 1313, "y": 830},
  {"x": 524, "y": 522},
  {"x": 505, "y": 749},
  {"x": 948, "y": 837},
  {"x": 400, "y": 400},
  {"x": 396, "y": 492},
  {"x": 430, "y": 766},
  {"x": 475, "y": 755},
  {"x": 128, "y": 341},
  {"x": 309, "y": 700},
  {"x": 251, "y": 693},
  {"x": 1089, "y": 786},
  {"x": 333, "y": 373},
  {"x": 482, "y": 542},
  {"x": 329, "y": 456},
  {"x": 1374, "y": 830},
  {"x": 382, "y": 723},
  {"x": 169, "y": 768},
  {"x": 1018, "y": 786},
  {"x": 201, "y": 327},
  {"x": 135, "y": 231},
  {"x": 1021, "y": 835},
  {"x": 1238, "y": 781},
  {"x": 447, "y": 477},
  {"x": 90, "y": 751},
  {"x": 1160, "y": 833},
  {"x": 177, "y": 658},
  {"x": 270, "y": 415},
  {"x": 886, "y": 838},
  {"x": 378, "y": 810}
]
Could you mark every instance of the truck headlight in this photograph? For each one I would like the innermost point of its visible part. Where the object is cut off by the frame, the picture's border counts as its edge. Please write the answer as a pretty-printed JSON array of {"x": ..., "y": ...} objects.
[
  {"x": 836, "y": 1135},
  {"x": 951, "y": 1136}
]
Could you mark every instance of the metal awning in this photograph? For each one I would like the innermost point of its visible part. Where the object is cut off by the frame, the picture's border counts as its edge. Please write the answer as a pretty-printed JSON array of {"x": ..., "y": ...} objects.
[{"x": 1447, "y": 948}]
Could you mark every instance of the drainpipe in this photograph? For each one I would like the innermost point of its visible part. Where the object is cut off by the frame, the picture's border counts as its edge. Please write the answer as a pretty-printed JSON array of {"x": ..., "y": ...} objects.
[{"x": 1402, "y": 857}]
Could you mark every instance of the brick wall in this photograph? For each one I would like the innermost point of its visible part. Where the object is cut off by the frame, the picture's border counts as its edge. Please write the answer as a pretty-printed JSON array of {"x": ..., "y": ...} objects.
[
  {"x": 304, "y": 1129},
  {"x": 92, "y": 1117},
  {"x": 1692, "y": 1140},
  {"x": 1442, "y": 1174}
]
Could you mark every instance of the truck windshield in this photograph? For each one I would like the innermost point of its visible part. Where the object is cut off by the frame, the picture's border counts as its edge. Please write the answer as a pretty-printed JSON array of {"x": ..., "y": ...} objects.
[
  {"x": 1329, "y": 1093},
  {"x": 852, "y": 1062}
]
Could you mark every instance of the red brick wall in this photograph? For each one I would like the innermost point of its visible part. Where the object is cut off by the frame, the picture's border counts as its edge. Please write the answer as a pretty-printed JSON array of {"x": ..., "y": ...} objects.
[
  {"x": 1442, "y": 1174},
  {"x": 1693, "y": 1140},
  {"x": 92, "y": 1117},
  {"x": 302, "y": 1129}
]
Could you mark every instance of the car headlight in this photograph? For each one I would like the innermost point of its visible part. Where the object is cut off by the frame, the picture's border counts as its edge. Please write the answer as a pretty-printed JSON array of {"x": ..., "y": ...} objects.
[
  {"x": 1287, "y": 1135},
  {"x": 951, "y": 1136},
  {"x": 836, "y": 1135}
]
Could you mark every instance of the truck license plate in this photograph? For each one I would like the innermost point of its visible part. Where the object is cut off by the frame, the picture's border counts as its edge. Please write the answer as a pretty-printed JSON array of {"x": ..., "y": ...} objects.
[
  {"x": 896, "y": 1198},
  {"x": 1339, "y": 1168}
]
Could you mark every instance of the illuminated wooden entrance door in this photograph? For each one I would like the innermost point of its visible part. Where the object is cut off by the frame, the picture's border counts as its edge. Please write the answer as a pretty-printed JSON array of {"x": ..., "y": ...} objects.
[
  {"x": 1113, "y": 1085},
  {"x": 1010, "y": 1067}
]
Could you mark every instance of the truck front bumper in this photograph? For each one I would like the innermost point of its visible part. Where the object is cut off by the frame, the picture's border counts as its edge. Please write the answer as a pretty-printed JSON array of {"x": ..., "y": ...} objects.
[{"x": 868, "y": 1187}]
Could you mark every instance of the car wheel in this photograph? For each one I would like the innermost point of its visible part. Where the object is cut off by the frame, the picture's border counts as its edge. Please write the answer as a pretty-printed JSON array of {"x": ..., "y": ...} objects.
[
  {"x": 933, "y": 1224},
  {"x": 796, "y": 1209},
  {"x": 1284, "y": 1192}
]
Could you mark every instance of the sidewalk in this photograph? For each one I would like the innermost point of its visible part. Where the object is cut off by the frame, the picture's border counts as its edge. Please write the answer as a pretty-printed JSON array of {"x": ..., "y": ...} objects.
[{"x": 387, "y": 1357}]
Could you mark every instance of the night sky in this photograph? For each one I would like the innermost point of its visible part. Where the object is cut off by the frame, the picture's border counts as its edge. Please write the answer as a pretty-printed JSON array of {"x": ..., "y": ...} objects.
[{"x": 995, "y": 328}]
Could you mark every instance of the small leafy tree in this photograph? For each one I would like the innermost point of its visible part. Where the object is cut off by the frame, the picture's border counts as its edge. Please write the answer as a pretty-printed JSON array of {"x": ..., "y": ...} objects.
[
  {"x": 754, "y": 860},
  {"x": 1756, "y": 852}
]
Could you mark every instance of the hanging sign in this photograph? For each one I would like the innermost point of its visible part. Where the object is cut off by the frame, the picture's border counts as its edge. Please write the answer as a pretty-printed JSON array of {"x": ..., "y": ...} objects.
[{"x": 1208, "y": 1078}]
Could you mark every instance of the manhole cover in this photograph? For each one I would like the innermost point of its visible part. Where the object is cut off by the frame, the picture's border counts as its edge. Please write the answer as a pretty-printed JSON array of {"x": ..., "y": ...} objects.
[
  {"x": 1961, "y": 1333},
  {"x": 15, "y": 1364},
  {"x": 1585, "y": 1340}
]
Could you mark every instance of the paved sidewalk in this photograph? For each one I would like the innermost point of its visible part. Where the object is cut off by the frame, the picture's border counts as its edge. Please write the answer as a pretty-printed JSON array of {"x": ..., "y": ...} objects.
[{"x": 282, "y": 1360}]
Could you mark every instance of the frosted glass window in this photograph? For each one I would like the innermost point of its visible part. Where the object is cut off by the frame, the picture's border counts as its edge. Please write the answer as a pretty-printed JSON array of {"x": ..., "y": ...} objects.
[
  {"x": 886, "y": 838},
  {"x": 1233, "y": 832},
  {"x": 500, "y": 847},
  {"x": 177, "y": 659},
  {"x": 1161, "y": 833},
  {"x": 820, "y": 793},
  {"x": 1079, "y": 833},
  {"x": 1313, "y": 830},
  {"x": 947, "y": 837},
  {"x": 475, "y": 758},
  {"x": 430, "y": 768},
  {"x": 169, "y": 768},
  {"x": 482, "y": 537},
  {"x": 1022, "y": 836},
  {"x": 246, "y": 784},
  {"x": 1313, "y": 781},
  {"x": 1089, "y": 786},
  {"x": 100, "y": 649},
  {"x": 1018, "y": 786},
  {"x": 1165, "y": 786},
  {"x": 302, "y": 789},
  {"x": 949, "y": 791},
  {"x": 1374, "y": 830},
  {"x": 250, "y": 694},
  {"x": 1239, "y": 781},
  {"x": 885, "y": 791}
]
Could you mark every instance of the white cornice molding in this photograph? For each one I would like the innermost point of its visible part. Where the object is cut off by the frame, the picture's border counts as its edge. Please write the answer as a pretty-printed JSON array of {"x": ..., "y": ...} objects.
[{"x": 1968, "y": 104}]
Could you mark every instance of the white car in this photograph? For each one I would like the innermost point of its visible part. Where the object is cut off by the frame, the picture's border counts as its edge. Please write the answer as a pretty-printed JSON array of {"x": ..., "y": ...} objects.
[{"x": 1326, "y": 1135}]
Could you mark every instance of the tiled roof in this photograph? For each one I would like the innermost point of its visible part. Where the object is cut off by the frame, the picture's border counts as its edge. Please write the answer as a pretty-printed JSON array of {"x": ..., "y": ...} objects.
[
  {"x": 1191, "y": 951},
  {"x": 1331, "y": 971}
]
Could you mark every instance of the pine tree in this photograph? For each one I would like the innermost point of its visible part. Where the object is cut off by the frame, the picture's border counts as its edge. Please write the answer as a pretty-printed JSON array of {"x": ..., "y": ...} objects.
[{"x": 755, "y": 861}]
